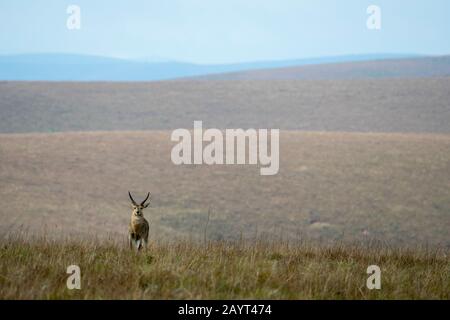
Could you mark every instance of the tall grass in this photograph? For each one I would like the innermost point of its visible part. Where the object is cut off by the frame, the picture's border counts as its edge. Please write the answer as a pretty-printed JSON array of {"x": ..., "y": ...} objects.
[{"x": 36, "y": 269}]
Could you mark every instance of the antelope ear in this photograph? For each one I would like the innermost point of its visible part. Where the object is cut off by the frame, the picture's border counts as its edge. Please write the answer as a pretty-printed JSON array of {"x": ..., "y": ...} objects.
[{"x": 145, "y": 206}]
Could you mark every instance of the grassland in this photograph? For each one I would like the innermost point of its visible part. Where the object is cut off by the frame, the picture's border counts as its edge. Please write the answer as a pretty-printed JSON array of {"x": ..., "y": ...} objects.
[
  {"x": 347, "y": 187},
  {"x": 352, "y": 180},
  {"x": 364, "y": 105},
  {"x": 218, "y": 270}
]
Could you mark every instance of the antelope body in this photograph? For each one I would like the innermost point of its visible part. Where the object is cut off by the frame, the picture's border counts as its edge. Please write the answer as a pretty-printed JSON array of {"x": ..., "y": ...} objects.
[{"x": 138, "y": 229}]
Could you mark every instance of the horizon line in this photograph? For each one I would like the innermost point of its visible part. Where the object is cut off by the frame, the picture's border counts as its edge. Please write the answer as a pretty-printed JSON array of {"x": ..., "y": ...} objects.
[{"x": 383, "y": 55}]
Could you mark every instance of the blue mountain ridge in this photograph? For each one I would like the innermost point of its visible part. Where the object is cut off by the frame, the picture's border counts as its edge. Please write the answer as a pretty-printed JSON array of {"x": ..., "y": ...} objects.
[{"x": 77, "y": 67}]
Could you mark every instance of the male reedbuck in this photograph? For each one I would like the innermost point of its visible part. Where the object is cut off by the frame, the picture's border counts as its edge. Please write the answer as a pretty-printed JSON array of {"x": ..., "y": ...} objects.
[{"x": 138, "y": 231}]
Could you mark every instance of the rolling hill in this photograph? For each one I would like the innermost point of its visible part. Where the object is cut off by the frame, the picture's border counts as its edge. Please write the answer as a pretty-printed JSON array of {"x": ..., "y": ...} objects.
[
  {"x": 369, "y": 105},
  {"x": 73, "y": 67},
  {"x": 421, "y": 67},
  {"x": 362, "y": 160}
]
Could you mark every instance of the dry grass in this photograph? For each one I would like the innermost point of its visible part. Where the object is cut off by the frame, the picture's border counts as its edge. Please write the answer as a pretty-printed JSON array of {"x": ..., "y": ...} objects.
[
  {"x": 218, "y": 270},
  {"x": 363, "y": 105},
  {"x": 347, "y": 187}
]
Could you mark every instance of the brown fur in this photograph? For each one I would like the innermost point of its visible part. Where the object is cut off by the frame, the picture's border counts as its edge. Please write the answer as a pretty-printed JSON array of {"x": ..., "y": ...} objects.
[{"x": 138, "y": 229}]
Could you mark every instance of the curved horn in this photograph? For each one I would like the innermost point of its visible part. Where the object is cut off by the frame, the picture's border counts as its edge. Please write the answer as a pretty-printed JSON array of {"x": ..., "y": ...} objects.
[
  {"x": 148, "y": 195},
  {"x": 131, "y": 198}
]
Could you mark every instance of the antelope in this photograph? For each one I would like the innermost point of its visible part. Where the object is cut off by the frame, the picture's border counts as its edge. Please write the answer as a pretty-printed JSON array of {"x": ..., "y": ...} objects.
[{"x": 138, "y": 230}]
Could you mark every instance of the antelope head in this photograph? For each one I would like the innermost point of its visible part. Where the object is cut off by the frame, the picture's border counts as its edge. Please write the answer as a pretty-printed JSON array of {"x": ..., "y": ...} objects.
[{"x": 137, "y": 208}]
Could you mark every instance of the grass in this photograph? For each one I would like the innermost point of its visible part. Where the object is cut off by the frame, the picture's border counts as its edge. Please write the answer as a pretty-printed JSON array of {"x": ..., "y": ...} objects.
[
  {"x": 363, "y": 105},
  {"x": 346, "y": 187},
  {"x": 36, "y": 269}
]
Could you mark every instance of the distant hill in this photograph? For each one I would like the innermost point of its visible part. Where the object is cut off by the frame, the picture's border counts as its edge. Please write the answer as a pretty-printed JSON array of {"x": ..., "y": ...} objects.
[
  {"x": 363, "y": 105},
  {"x": 383, "y": 68},
  {"x": 72, "y": 67}
]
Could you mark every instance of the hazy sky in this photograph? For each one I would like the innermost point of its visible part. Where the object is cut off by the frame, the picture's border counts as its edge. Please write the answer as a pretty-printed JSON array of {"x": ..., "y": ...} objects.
[{"x": 211, "y": 31}]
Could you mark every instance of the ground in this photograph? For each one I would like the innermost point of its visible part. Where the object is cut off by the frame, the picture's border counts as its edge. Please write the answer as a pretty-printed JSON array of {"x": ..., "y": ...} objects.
[
  {"x": 351, "y": 187},
  {"x": 364, "y": 179},
  {"x": 36, "y": 269}
]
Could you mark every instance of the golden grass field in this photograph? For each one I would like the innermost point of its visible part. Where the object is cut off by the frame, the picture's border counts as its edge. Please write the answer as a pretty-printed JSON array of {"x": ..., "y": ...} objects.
[{"x": 36, "y": 269}]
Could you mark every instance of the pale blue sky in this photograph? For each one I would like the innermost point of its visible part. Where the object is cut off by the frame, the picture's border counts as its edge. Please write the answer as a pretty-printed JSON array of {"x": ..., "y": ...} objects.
[{"x": 211, "y": 31}]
